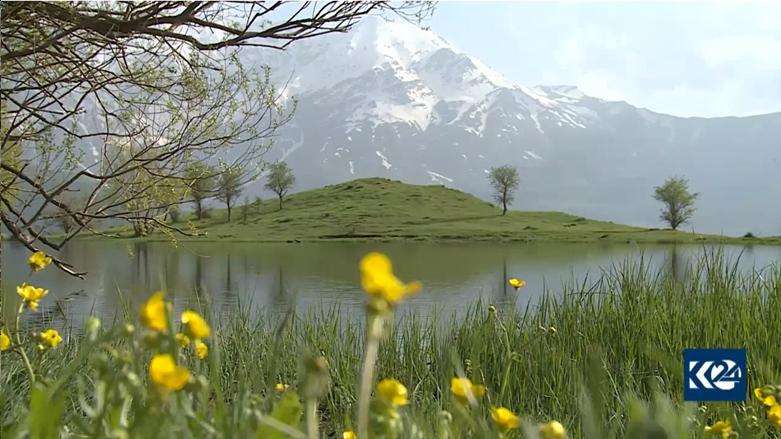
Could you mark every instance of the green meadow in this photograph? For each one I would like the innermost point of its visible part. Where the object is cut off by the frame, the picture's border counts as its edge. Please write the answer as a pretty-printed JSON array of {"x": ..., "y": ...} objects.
[{"x": 386, "y": 210}]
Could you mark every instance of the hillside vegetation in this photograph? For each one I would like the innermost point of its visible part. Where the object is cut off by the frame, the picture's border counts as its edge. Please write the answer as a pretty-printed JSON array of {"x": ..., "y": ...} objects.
[{"x": 382, "y": 209}]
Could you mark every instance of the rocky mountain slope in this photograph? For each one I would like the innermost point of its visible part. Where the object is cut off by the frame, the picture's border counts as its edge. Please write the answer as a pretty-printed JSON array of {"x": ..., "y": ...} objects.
[{"x": 392, "y": 100}]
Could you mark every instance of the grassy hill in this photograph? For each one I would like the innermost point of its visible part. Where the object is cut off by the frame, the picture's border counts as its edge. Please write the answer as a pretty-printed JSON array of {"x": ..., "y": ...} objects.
[{"x": 381, "y": 209}]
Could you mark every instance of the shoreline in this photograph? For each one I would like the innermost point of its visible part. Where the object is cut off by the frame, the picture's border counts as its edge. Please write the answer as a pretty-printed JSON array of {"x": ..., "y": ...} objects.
[{"x": 614, "y": 238}]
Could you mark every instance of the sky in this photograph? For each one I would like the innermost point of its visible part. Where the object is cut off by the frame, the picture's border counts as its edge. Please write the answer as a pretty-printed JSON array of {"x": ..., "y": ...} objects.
[{"x": 703, "y": 59}]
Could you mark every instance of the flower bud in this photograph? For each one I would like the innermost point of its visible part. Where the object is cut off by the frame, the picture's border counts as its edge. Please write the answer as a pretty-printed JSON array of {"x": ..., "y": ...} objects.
[
  {"x": 200, "y": 383},
  {"x": 133, "y": 380},
  {"x": 152, "y": 340},
  {"x": 314, "y": 384},
  {"x": 492, "y": 310},
  {"x": 119, "y": 434},
  {"x": 91, "y": 329}
]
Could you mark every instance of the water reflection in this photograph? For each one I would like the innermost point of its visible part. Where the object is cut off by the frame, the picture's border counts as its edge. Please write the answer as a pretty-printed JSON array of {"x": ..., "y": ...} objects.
[{"x": 271, "y": 277}]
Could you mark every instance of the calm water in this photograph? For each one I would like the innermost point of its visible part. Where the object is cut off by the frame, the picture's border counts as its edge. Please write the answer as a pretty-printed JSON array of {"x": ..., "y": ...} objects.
[{"x": 269, "y": 277}]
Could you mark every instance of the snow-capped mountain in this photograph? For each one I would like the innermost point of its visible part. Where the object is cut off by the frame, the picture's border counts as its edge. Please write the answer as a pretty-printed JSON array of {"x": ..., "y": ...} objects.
[{"x": 393, "y": 100}]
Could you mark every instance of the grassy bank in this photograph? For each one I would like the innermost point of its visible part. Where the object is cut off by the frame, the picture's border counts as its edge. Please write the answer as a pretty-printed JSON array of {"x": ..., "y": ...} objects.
[
  {"x": 381, "y": 209},
  {"x": 621, "y": 341}
]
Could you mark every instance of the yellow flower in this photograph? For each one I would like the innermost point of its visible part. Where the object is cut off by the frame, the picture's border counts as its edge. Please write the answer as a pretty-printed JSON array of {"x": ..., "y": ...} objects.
[
  {"x": 722, "y": 427},
  {"x": 5, "y": 341},
  {"x": 166, "y": 374},
  {"x": 281, "y": 387},
  {"x": 31, "y": 295},
  {"x": 553, "y": 330},
  {"x": 552, "y": 430},
  {"x": 51, "y": 338},
  {"x": 459, "y": 388},
  {"x": 774, "y": 415},
  {"x": 504, "y": 419},
  {"x": 377, "y": 279},
  {"x": 393, "y": 392},
  {"x": 183, "y": 340},
  {"x": 768, "y": 401},
  {"x": 201, "y": 350},
  {"x": 517, "y": 284},
  {"x": 39, "y": 261},
  {"x": 349, "y": 434},
  {"x": 154, "y": 314},
  {"x": 194, "y": 325}
]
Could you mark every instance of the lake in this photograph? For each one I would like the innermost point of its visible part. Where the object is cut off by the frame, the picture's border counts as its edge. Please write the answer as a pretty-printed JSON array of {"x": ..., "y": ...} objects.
[{"x": 268, "y": 277}]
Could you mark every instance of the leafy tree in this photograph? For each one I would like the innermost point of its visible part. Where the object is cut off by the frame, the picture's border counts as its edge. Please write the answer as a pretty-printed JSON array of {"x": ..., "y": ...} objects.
[
  {"x": 677, "y": 200},
  {"x": 245, "y": 210},
  {"x": 280, "y": 179},
  {"x": 230, "y": 187},
  {"x": 174, "y": 213},
  {"x": 258, "y": 203},
  {"x": 61, "y": 219},
  {"x": 121, "y": 96},
  {"x": 200, "y": 179},
  {"x": 504, "y": 180}
]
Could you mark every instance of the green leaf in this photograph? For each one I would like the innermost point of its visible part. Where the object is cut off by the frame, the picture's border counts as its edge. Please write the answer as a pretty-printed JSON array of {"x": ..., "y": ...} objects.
[
  {"x": 45, "y": 416},
  {"x": 288, "y": 411}
]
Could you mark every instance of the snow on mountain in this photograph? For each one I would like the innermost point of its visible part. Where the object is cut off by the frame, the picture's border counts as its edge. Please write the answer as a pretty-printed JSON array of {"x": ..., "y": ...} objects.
[
  {"x": 404, "y": 73},
  {"x": 393, "y": 100}
]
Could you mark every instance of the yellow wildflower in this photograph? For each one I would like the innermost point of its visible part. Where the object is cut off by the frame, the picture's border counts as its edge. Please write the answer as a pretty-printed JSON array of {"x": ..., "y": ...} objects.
[
  {"x": 552, "y": 430},
  {"x": 393, "y": 392},
  {"x": 459, "y": 387},
  {"x": 504, "y": 419},
  {"x": 194, "y": 325},
  {"x": 281, "y": 387},
  {"x": 774, "y": 415},
  {"x": 183, "y": 340},
  {"x": 517, "y": 284},
  {"x": 349, "y": 434},
  {"x": 38, "y": 261},
  {"x": 553, "y": 330},
  {"x": 768, "y": 401},
  {"x": 377, "y": 279},
  {"x": 31, "y": 295},
  {"x": 201, "y": 350},
  {"x": 5, "y": 341},
  {"x": 166, "y": 374},
  {"x": 154, "y": 314},
  {"x": 51, "y": 338},
  {"x": 724, "y": 428}
]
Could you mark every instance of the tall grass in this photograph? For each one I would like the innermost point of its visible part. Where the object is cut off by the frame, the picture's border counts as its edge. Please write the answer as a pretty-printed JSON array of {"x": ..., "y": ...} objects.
[{"x": 580, "y": 356}]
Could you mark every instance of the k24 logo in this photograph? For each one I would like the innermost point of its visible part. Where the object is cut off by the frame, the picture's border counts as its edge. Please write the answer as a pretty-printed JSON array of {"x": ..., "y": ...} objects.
[{"x": 714, "y": 374}]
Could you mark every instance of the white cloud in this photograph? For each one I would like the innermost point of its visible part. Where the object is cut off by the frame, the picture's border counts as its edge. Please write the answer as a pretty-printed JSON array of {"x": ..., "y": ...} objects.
[{"x": 761, "y": 52}]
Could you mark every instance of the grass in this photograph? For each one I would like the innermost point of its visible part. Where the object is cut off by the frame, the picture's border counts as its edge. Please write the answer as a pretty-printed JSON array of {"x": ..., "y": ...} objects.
[
  {"x": 382, "y": 209},
  {"x": 614, "y": 345}
]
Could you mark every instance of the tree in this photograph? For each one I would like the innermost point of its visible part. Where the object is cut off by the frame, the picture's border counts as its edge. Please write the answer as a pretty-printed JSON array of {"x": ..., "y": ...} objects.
[
  {"x": 174, "y": 214},
  {"x": 230, "y": 187},
  {"x": 678, "y": 202},
  {"x": 504, "y": 181},
  {"x": 280, "y": 179},
  {"x": 245, "y": 210},
  {"x": 200, "y": 180},
  {"x": 98, "y": 94}
]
